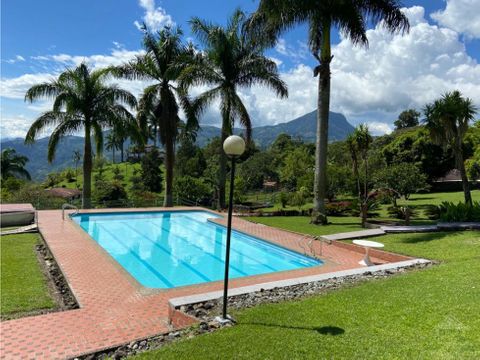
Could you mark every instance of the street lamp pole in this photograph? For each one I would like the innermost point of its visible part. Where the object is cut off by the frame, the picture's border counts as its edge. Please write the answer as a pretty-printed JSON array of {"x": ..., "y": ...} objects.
[
  {"x": 234, "y": 146},
  {"x": 229, "y": 234}
]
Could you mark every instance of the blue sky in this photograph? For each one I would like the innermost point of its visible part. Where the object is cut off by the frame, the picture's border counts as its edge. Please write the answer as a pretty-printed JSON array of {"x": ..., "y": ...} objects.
[{"x": 442, "y": 52}]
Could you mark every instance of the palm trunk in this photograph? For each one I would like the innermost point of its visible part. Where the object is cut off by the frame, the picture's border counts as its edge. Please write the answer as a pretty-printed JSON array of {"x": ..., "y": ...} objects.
[
  {"x": 113, "y": 155},
  {"x": 169, "y": 160},
  {"x": 319, "y": 215},
  {"x": 365, "y": 194},
  {"x": 87, "y": 170},
  {"x": 121, "y": 151},
  {"x": 222, "y": 173},
  {"x": 463, "y": 175}
]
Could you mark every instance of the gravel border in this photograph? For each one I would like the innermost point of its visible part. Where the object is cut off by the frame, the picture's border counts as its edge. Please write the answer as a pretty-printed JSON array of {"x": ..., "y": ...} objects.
[{"x": 206, "y": 311}]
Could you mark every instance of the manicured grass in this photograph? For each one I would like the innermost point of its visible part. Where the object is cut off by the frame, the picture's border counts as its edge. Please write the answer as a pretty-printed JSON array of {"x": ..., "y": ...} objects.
[
  {"x": 23, "y": 285},
  {"x": 426, "y": 314},
  {"x": 302, "y": 224}
]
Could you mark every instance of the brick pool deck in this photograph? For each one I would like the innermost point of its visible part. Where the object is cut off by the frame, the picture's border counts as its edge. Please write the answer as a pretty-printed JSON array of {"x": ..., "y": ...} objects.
[{"x": 115, "y": 309}]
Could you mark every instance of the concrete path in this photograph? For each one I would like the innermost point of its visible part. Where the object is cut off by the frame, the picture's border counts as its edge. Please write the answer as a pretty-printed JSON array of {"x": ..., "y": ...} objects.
[{"x": 354, "y": 234}]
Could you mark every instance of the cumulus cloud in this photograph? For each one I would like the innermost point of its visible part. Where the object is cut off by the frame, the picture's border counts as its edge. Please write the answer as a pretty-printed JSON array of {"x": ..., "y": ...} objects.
[
  {"x": 463, "y": 16},
  {"x": 155, "y": 17},
  {"x": 368, "y": 85},
  {"x": 374, "y": 85},
  {"x": 14, "y": 126}
]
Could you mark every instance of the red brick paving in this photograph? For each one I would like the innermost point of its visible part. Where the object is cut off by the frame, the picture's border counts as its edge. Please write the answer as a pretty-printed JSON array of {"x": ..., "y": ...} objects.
[{"x": 114, "y": 308}]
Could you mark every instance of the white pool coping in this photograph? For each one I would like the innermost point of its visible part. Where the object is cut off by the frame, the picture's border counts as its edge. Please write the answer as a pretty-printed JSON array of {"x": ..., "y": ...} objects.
[{"x": 198, "y": 298}]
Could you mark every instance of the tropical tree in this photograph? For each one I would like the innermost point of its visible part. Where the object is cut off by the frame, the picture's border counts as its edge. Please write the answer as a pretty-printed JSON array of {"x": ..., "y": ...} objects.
[
  {"x": 162, "y": 64},
  {"x": 13, "y": 164},
  {"x": 76, "y": 157},
  {"x": 406, "y": 119},
  {"x": 82, "y": 100},
  {"x": 448, "y": 120},
  {"x": 111, "y": 144},
  {"x": 229, "y": 62},
  {"x": 274, "y": 17},
  {"x": 359, "y": 144}
]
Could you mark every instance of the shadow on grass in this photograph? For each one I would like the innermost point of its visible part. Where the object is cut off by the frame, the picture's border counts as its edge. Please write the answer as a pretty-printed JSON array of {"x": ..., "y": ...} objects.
[
  {"x": 425, "y": 237},
  {"x": 324, "y": 330}
]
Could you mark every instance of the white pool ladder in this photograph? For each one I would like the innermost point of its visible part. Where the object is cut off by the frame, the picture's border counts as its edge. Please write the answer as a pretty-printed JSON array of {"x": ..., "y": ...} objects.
[{"x": 68, "y": 206}]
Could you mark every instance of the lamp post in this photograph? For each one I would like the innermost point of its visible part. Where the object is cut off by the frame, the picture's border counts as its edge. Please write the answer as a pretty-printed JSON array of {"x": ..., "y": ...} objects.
[{"x": 234, "y": 146}]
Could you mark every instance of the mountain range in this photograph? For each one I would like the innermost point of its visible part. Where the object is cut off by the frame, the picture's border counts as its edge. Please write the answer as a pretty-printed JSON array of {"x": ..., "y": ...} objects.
[{"x": 303, "y": 127}]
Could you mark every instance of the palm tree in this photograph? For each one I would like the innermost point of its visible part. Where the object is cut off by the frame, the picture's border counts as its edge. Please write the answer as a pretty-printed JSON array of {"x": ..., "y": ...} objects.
[
  {"x": 76, "y": 157},
  {"x": 111, "y": 144},
  {"x": 162, "y": 64},
  {"x": 274, "y": 17},
  {"x": 448, "y": 120},
  {"x": 82, "y": 100},
  {"x": 13, "y": 164},
  {"x": 362, "y": 141},
  {"x": 230, "y": 61}
]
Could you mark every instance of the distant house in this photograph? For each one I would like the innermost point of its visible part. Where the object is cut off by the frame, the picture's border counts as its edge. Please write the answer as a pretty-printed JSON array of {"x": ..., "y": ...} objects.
[
  {"x": 135, "y": 153},
  {"x": 270, "y": 186},
  {"x": 65, "y": 193}
]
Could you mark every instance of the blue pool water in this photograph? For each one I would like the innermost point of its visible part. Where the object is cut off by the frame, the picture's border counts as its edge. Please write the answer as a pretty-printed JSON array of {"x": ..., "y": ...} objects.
[{"x": 170, "y": 249}]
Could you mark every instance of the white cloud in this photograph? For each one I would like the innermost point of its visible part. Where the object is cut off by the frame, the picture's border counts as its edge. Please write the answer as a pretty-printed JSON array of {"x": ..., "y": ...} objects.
[
  {"x": 155, "y": 17},
  {"x": 14, "y": 126},
  {"x": 16, "y": 59},
  {"x": 15, "y": 88},
  {"x": 463, "y": 16},
  {"x": 296, "y": 52}
]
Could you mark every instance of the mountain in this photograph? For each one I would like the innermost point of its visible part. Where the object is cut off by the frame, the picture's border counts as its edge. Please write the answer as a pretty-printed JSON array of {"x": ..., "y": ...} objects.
[{"x": 303, "y": 127}]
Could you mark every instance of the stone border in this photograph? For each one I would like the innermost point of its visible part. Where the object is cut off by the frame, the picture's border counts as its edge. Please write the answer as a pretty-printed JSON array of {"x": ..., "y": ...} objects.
[
  {"x": 203, "y": 313},
  {"x": 176, "y": 303}
]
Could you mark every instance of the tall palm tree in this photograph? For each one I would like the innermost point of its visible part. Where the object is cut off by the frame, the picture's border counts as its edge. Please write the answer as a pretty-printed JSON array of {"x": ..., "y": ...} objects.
[
  {"x": 361, "y": 142},
  {"x": 274, "y": 17},
  {"x": 82, "y": 100},
  {"x": 111, "y": 144},
  {"x": 13, "y": 164},
  {"x": 448, "y": 120},
  {"x": 162, "y": 64},
  {"x": 230, "y": 61},
  {"x": 76, "y": 157}
]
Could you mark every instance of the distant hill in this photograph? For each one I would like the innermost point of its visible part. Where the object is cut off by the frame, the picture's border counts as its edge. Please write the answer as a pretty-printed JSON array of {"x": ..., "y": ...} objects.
[{"x": 303, "y": 127}]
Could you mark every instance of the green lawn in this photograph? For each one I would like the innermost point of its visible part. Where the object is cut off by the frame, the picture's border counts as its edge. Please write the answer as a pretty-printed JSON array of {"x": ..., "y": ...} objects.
[
  {"x": 302, "y": 224},
  {"x": 23, "y": 285},
  {"x": 343, "y": 224},
  {"x": 426, "y": 314}
]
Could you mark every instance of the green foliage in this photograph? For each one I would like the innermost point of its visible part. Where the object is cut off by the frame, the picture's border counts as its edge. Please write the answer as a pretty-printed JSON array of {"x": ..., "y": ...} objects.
[
  {"x": 192, "y": 189},
  {"x": 283, "y": 198},
  {"x": 298, "y": 169},
  {"x": 53, "y": 179},
  {"x": 415, "y": 146},
  {"x": 406, "y": 119},
  {"x": 337, "y": 208},
  {"x": 151, "y": 172},
  {"x": 69, "y": 174},
  {"x": 256, "y": 169},
  {"x": 299, "y": 198},
  {"x": 451, "y": 212},
  {"x": 13, "y": 164},
  {"x": 190, "y": 160},
  {"x": 403, "y": 178},
  {"x": 339, "y": 181},
  {"x": 35, "y": 195},
  {"x": 109, "y": 191},
  {"x": 117, "y": 173}
]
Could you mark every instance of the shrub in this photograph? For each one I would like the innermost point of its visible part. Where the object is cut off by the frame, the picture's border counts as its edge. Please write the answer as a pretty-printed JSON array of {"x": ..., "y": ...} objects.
[
  {"x": 151, "y": 172},
  {"x": 192, "y": 189},
  {"x": 335, "y": 208},
  {"x": 450, "y": 212},
  {"x": 109, "y": 191},
  {"x": 69, "y": 175},
  {"x": 401, "y": 212},
  {"x": 36, "y": 196},
  {"x": 283, "y": 198},
  {"x": 117, "y": 175}
]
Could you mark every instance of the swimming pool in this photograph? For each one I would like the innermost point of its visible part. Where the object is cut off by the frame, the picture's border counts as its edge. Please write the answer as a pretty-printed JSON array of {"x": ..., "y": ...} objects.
[{"x": 167, "y": 249}]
